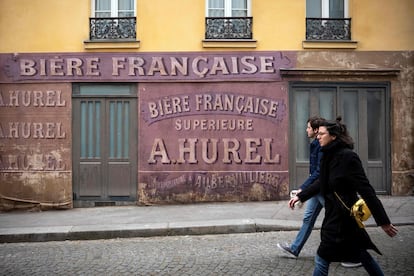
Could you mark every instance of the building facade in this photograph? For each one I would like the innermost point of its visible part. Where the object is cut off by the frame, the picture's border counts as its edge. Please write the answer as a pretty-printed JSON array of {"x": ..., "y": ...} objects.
[{"x": 112, "y": 102}]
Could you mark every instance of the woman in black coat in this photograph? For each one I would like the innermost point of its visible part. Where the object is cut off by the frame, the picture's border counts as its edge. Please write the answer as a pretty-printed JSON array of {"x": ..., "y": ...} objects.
[{"x": 341, "y": 171}]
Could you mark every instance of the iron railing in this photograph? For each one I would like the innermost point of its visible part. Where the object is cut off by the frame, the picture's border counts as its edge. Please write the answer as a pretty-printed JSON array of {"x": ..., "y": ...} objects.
[
  {"x": 229, "y": 27},
  {"x": 328, "y": 28},
  {"x": 112, "y": 28}
]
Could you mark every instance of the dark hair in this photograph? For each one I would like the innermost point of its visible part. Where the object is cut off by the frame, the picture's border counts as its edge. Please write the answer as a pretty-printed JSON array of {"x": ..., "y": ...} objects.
[
  {"x": 315, "y": 121},
  {"x": 336, "y": 128}
]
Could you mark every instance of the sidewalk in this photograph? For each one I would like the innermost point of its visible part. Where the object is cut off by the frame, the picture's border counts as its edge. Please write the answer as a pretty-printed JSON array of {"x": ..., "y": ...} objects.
[{"x": 189, "y": 219}]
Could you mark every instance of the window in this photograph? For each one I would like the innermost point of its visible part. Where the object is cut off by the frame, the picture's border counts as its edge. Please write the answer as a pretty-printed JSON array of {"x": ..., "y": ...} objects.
[
  {"x": 228, "y": 19},
  {"x": 113, "y": 20},
  {"x": 327, "y": 20},
  {"x": 327, "y": 8},
  {"x": 228, "y": 8},
  {"x": 113, "y": 8}
]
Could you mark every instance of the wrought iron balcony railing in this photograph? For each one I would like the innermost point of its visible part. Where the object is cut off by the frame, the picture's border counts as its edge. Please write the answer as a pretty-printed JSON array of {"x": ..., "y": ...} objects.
[
  {"x": 229, "y": 27},
  {"x": 328, "y": 28},
  {"x": 112, "y": 28}
]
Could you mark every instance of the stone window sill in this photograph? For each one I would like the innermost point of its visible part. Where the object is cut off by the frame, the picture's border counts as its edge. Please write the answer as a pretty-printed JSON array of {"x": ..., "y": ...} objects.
[
  {"x": 111, "y": 44},
  {"x": 329, "y": 44},
  {"x": 229, "y": 43}
]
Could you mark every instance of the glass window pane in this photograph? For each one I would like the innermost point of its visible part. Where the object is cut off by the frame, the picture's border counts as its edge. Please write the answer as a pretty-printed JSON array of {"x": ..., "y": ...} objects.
[
  {"x": 336, "y": 8},
  {"x": 302, "y": 115},
  {"x": 102, "y": 90},
  {"x": 327, "y": 104},
  {"x": 126, "y": 5},
  {"x": 90, "y": 129},
  {"x": 375, "y": 126},
  {"x": 239, "y": 8},
  {"x": 103, "y": 8},
  {"x": 350, "y": 114},
  {"x": 126, "y": 129},
  {"x": 216, "y": 8},
  {"x": 101, "y": 5},
  {"x": 216, "y": 4},
  {"x": 98, "y": 128},
  {"x": 125, "y": 8},
  {"x": 314, "y": 8},
  {"x": 239, "y": 13},
  {"x": 119, "y": 128},
  {"x": 112, "y": 129},
  {"x": 216, "y": 13},
  {"x": 239, "y": 4},
  {"x": 83, "y": 127}
]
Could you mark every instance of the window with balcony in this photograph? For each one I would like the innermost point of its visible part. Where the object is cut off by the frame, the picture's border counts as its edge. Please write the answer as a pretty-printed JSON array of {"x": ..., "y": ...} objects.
[
  {"x": 112, "y": 20},
  {"x": 327, "y": 20},
  {"x": 228, "y": 20}
]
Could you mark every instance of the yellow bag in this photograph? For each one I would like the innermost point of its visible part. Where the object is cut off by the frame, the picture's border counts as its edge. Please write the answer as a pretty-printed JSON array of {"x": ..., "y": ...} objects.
[{"x": 359, "y": 211}]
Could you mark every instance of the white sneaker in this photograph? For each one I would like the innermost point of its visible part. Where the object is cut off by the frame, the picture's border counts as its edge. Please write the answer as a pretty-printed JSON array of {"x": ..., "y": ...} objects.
[
  {"x": 286, "y": 249},
  {"x": 351, "y": 265}
]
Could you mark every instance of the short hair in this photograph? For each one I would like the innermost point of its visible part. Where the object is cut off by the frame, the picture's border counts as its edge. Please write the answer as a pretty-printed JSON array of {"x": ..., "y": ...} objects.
[{"x": 315, "y": 121}]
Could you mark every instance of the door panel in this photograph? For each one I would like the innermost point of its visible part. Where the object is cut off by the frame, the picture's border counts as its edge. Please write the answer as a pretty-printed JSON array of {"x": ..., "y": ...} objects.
[
  {"x": 90, "y": 160},
  {"x": 119, "y": 165},
  {"x": 90, "y": 179},
  {"x": 118, "y": 179}
]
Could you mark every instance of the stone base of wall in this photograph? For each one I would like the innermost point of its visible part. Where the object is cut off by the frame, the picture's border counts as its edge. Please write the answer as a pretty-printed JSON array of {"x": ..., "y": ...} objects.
[
  {"x": 403, "y": 183},
  {"x": 35, "y": 191}
]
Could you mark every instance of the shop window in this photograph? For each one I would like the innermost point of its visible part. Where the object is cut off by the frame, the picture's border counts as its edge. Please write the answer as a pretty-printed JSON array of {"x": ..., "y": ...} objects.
[
  {"x": 327, "y": 20},
  {"x": 112, "y": 20},
  {"x": 228, "y": 19}
]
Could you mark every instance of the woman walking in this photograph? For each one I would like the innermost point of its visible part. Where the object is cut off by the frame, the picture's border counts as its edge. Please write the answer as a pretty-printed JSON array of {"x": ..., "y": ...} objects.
[{"x": 341, "y": 178}]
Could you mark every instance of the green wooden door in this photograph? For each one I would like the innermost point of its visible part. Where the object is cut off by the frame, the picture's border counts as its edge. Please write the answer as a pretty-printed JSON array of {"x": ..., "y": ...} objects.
[
  {"x": 104, "y": 145},
  {"x": 364, "y": 109}
]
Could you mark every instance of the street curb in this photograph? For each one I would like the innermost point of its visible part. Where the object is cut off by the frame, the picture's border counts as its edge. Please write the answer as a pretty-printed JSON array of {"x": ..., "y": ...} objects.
[{"x": 182, "y": 228}]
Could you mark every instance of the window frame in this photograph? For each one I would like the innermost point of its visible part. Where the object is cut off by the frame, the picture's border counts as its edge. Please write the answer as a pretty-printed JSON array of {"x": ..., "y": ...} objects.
[
  {"x": 228, "y": 8},
  {"x": 114, "y": 8},
  {"x": 325, "y": 9}
]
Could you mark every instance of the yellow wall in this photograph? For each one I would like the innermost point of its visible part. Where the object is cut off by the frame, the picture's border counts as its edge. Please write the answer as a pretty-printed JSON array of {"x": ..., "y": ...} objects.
[{"x": 168, "y": 25}]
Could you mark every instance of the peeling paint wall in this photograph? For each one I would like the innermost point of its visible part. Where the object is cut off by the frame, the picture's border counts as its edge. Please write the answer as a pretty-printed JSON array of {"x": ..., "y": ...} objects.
[
  {"x": 35, "y": 146},
  {"x": 221, "y": 142},
  {"x": 402, "y": 100}
]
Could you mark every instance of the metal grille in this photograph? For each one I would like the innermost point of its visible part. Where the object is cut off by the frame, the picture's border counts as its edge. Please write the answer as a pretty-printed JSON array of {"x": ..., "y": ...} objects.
[
  {"x": 328, "y": 28},
  {"x": 112, "y": 28},
  {"x": 229, "y": 27}
]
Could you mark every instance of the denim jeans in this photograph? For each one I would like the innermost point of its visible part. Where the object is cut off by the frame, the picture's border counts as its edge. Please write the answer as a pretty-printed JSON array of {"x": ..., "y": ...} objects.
[
  {"x": 313, "y": 208},
  {"x": 370, "y": 265}
]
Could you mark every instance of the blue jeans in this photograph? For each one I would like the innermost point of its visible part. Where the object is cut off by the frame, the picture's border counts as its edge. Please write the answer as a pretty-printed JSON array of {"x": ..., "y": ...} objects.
[
  {"x": 313, "y": 208},
  {"x": 370, "y": 265}
]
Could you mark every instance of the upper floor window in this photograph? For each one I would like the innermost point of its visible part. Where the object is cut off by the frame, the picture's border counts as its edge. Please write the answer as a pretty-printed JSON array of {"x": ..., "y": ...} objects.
[
  {"x": 228, "y": 19},
  {"x": 327, "y": 20},
  {"x": 113, "y": 20},
  {"x": 113, "y": 8}
]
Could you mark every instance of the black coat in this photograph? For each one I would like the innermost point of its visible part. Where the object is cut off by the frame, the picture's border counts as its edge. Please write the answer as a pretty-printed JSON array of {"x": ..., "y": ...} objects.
[{"x": 341, "y": 171}]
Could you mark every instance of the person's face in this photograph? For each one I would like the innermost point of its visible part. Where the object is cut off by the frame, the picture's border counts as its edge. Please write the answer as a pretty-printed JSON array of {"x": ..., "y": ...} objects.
[
  {"x": 324, "y": 137},
  {"x": 311, "y": 132}
]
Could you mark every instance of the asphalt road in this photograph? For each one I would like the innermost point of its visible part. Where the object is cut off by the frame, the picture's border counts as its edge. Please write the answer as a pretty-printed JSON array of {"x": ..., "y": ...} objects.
[{"x": 229, "y": 254}]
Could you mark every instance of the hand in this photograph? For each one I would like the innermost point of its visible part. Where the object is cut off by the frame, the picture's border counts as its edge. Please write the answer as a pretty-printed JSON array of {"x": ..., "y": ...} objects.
[
  {"x": 390, "y": 229},
  {"x": 293, "y": 201}
]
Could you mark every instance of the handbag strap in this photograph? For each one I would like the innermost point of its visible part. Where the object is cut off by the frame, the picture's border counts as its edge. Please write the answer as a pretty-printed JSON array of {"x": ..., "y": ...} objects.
[{"x": 343, "y": 203}]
